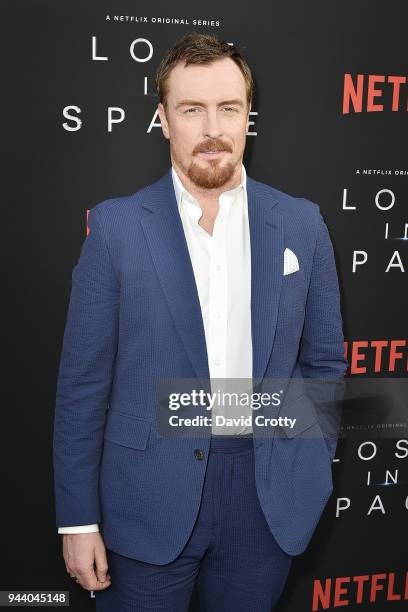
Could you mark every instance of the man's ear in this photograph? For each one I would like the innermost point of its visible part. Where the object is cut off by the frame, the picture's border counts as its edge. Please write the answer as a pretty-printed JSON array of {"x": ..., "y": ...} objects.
[
  {"x": 248, "y": 118},
  {"x": 163, "y": 121}
]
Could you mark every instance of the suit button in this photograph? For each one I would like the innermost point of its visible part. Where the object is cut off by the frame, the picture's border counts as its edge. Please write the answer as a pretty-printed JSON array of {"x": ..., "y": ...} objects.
[{"x": 198, "y": 453}]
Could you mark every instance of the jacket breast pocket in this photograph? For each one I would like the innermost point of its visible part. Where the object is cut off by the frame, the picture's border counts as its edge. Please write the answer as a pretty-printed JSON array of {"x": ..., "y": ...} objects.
[
  {"x": 294, "y": 277},
  {"x": 293, "y": 294},
  {"x": 127, "y": 430}
]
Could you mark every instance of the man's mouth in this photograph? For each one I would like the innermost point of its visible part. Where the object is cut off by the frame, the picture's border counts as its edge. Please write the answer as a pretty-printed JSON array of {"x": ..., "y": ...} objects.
[{"x": 212, "y": 152}]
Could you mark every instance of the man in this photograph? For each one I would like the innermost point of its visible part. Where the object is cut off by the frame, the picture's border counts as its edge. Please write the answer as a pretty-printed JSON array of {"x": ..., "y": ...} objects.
[{"x": 204, "y": 274}]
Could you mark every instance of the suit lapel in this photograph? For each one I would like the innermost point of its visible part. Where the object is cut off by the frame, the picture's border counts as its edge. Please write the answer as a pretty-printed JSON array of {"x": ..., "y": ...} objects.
[
  {"x": 266, "y": 232},
  {"x": 168, "y": 247}
]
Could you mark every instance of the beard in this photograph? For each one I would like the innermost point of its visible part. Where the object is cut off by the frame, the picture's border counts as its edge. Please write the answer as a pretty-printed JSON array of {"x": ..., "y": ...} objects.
[
  {"x": 212, "y": 174},
  {"x": 209, "y": 173}
]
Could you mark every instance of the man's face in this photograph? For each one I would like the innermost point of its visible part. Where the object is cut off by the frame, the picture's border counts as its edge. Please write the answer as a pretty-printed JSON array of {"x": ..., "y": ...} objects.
[{"x": 206, "y": 121}]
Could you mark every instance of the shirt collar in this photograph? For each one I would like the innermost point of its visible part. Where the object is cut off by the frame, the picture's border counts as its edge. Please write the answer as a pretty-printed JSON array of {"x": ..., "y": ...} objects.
[{"x": 179, "y": 188}]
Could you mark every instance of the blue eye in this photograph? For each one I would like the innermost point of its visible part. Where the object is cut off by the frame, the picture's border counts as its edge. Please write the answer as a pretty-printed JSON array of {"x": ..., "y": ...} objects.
[{"x": 192, "y": 110}]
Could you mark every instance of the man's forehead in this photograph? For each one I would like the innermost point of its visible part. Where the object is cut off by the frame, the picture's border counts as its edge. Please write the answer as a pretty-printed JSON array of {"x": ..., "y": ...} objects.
[{"x": 195, "y": 83}]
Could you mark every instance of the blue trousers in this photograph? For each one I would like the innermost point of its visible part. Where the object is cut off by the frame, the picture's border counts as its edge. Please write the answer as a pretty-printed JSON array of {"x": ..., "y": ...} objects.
[{"x": 231, "y": 555}]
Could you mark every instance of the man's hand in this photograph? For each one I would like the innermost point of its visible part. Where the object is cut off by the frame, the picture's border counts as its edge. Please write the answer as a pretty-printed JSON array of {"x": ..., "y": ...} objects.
[{"x": 81, "y": 551}]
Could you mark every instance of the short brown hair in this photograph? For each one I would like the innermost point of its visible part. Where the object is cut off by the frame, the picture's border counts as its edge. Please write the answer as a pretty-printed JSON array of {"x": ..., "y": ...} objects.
[{"x": 195, "y": 48}]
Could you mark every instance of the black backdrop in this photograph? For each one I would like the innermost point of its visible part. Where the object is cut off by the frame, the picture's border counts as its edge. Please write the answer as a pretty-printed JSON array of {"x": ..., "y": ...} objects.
[{"x": 302, "y": 142}]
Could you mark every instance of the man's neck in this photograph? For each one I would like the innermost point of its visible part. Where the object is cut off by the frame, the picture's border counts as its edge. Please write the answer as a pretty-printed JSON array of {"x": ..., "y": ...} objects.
[{"x": 208, "y": 199}]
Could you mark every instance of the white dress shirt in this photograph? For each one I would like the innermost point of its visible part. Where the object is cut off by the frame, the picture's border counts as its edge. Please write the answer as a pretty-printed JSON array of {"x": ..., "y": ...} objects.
[{"x": 222, "y": 270}]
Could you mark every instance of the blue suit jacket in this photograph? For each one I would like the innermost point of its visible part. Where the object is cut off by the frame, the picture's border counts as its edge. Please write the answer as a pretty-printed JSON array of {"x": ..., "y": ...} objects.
[{"x": 134, "y": 317}]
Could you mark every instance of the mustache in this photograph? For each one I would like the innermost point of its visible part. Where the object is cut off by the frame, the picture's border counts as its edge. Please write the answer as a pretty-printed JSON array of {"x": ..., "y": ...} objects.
[{"x": 215, "y": 145}]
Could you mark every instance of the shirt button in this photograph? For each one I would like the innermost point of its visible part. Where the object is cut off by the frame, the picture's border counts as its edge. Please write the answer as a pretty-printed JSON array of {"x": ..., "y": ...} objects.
[
  {"x": 216, "y": 362},
  {"x": 198, "y": 453},
  {"x": 218, "y": 268}
]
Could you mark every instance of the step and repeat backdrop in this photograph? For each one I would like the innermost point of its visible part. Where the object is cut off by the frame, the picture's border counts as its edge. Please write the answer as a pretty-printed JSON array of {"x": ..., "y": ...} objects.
[{"x": 328, "y": 123}]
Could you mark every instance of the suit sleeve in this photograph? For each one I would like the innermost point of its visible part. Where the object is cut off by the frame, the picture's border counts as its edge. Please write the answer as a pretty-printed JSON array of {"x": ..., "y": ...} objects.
[
  {"x": 84, "y": 381},
  {"x": 321, "y": 356},
  {"x": 322, "y": 343}
]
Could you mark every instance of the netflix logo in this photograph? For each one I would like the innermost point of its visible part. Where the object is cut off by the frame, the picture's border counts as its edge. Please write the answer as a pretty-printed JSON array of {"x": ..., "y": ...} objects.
[
  {"x": 374, "y": 93},
  {"x": 351, "y": 590},
  {"x": 375, "y": 356}
]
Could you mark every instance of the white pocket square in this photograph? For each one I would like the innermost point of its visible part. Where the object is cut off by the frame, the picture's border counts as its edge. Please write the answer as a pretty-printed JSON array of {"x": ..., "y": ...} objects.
[{"x": 290, "y": 262}]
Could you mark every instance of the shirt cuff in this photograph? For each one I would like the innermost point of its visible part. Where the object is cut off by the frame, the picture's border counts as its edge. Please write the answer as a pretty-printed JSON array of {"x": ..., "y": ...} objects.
[{"x": 79, "y": 529}]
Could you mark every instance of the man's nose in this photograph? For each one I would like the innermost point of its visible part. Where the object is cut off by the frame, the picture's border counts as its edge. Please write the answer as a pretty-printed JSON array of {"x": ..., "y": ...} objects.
[{"x": 212, "y": 124}]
